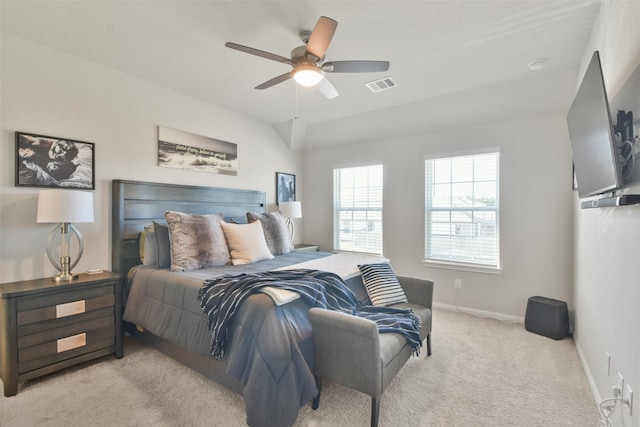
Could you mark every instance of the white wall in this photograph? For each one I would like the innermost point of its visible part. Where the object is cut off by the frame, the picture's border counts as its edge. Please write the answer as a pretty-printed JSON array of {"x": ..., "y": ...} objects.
[
  {"x": 607, "y": 248},
  {"x": 51, "y": 93},
  {"x": 535, "y": 207}
]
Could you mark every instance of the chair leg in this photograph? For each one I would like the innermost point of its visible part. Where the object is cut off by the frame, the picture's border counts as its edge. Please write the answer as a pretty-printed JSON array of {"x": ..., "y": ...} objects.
[
  {"x": 429, "y": 345},
  {"x": 375, "y": 411},
  {"x": 316, "y": 400}
]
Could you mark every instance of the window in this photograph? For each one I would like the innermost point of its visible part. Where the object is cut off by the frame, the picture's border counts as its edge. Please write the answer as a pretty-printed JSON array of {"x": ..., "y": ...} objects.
[
  {"x": 462, "y": 210},
  {"x": 357, "y": 209}
]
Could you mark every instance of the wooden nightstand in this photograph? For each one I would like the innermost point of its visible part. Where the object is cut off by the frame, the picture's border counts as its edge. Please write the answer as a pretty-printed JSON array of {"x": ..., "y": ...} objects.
[
  {"x": 305, "y": 247},
  {"x": 46, "y": 326}
]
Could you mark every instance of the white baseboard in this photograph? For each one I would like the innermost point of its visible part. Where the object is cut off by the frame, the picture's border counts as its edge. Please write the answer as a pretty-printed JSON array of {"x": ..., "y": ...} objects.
[
  {"x": 585, "y": 367},
  {"x": 481, "y": 313}
]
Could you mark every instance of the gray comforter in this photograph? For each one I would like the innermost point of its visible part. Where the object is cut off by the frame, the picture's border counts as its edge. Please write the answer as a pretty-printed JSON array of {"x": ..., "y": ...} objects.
[{"x": 270, "y": 347}]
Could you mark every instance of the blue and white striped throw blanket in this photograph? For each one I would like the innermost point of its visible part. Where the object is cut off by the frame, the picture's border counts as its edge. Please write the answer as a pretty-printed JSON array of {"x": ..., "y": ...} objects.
[{"x": 221, "y": 297}]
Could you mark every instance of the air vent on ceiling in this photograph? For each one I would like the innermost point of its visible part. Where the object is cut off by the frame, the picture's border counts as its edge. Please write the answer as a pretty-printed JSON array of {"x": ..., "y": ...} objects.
[{"x": 382, "y": 84}]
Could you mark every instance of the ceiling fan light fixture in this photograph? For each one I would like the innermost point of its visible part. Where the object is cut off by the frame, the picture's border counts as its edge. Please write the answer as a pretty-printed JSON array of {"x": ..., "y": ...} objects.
[
  {"x": 308, "y": 75},
  {"x": 309, "y": 66}
]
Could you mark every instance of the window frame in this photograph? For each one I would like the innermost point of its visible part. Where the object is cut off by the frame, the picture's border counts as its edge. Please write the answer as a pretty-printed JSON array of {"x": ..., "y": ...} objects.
[
  {"x": 335, "y": 209},
  {"x": 461, "y": 264}
]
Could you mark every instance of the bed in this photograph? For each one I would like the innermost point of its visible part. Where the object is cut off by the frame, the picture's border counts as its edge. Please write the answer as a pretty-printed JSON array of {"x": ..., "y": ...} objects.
[{"x": 270, "y": 352}]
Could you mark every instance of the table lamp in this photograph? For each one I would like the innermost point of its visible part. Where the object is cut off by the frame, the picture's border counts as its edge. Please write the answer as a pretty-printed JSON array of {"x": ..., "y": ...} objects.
[
  {"x": 291, "y": 210},
  {"x": 64, "y": 207}
]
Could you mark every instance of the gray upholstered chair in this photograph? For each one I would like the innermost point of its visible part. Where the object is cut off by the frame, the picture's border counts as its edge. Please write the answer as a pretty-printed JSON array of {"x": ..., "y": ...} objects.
[{"x": 350, "y": 351}]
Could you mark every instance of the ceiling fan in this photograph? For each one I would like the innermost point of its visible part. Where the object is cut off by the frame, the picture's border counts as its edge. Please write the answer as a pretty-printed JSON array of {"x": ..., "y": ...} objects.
[{"x": 308, "y": 62}]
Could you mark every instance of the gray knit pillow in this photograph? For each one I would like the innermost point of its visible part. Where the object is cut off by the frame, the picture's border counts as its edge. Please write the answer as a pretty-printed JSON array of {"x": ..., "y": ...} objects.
[{"x": 276, "y": 231}]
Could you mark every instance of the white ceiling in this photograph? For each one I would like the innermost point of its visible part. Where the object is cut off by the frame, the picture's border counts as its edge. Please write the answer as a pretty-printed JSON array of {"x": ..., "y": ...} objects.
[{"x": 437, "y": 50}]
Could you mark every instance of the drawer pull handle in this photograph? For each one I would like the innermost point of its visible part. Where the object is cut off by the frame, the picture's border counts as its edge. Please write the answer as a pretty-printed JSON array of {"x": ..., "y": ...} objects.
[
  {"x": 74, "y": 341},
  {"x": 69, "y": 309}
]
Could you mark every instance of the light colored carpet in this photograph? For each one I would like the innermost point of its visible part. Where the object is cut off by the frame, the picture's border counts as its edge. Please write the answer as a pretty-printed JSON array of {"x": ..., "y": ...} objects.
[{"x": 482, "y": 373}]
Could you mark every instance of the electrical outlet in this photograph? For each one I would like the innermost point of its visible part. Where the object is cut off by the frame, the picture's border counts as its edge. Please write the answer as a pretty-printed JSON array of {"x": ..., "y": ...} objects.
[
  {"x": 617, "y": 393},
  {"x": 607, "y": 363},
  {"x": 636, "y": 145},
  {"x": 620, "y": 382},
  {"x": 457, "y": 284},
  {"x": 628, "y": 399}
]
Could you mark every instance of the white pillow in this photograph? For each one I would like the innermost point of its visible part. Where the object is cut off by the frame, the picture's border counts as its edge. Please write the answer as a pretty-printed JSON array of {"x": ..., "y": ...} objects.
[{"x": 246, "y": 242}]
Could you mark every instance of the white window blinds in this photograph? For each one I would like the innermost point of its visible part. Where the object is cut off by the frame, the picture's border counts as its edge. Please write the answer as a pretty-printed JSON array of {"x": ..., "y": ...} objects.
[
  {"x": 462, "y": 209},
  {"x": 357, "y": 209}
]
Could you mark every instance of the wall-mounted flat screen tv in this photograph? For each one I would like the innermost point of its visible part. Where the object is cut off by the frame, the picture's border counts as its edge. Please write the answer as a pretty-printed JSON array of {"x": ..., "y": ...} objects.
[{"x": 593, "y": 142}]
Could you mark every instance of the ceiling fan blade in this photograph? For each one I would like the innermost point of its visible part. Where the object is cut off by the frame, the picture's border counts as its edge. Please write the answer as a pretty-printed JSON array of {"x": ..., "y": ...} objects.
[
  {"x": 258, "y": 52},
  {"x": 326, "y": 88},
  {"x": 355, "y": 66},
  {"x": 274, "y": 81},
  {"x": 321, "y": 36}
]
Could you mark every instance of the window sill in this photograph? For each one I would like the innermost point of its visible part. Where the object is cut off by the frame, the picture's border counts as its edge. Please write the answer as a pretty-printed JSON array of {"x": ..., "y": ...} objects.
[{"x": 462, "y": 266}]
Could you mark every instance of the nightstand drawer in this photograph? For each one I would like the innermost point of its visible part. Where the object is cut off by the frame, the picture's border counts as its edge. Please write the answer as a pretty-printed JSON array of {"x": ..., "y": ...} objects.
[
  {"x": 66, "y": 347},
  {"x": 65, "y": 309},
  {"x": 62, "y": 304}
]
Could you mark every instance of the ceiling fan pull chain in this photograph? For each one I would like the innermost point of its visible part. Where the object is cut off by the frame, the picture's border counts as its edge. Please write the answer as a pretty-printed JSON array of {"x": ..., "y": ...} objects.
[{"x": 295, "y": 117}]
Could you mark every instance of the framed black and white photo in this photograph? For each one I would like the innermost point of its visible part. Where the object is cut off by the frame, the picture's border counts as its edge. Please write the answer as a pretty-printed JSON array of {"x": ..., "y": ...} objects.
[
  {"x": 49, "y": 161},
  {"x": 285, "y": 187}
]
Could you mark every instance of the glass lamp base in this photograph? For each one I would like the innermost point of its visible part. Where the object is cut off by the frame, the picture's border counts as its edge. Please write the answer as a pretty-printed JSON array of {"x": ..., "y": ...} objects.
[{"x": 65, "y": 265}]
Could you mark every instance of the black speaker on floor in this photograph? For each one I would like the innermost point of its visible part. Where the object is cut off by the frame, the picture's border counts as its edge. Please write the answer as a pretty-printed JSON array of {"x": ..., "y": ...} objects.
[{"x": 548, "y": 317}]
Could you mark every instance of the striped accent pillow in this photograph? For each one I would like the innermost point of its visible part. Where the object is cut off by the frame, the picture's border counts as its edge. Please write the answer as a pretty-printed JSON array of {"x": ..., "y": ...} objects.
[{"x": 382, "y": 284}]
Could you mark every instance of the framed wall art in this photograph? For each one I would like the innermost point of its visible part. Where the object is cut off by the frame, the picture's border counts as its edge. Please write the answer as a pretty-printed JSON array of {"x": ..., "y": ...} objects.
[
  {"x": 183, "y": 150},
  {"x": 49, "y": 161},
  {"x": 285, "y": 187}
]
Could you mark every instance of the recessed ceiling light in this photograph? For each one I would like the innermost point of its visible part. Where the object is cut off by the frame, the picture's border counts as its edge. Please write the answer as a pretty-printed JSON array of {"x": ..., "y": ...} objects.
[{"x": 537, "y": 64}]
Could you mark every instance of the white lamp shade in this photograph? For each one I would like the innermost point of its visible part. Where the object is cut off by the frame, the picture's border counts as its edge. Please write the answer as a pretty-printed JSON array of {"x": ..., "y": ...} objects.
[
  {"x": 291, "y": 209},
  {"x": 65, "y": 206}
]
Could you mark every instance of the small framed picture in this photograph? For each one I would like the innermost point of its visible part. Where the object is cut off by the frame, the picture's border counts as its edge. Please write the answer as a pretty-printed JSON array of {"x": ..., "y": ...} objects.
[
  {"x": 49, "y": 161},
  {"x": 285, "y": 187}
]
